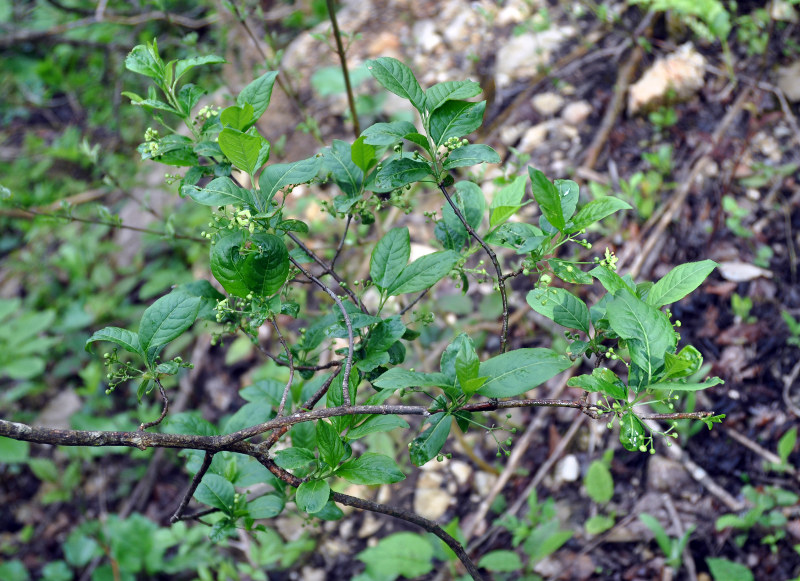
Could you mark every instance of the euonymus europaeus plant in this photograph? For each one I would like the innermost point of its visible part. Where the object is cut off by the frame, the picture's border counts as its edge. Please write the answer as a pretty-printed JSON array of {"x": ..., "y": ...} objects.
[{"x": 348, "y": 370}]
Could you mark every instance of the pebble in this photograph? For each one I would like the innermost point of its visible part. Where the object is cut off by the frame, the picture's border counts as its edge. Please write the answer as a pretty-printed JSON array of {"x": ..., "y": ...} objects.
[
  {"x": 523, "y": 55},
  {"x": 567, "y": 469},
  {"x": 369, "y": 526},
  {"x": 665, "y": 474},
  {"x": 547, "y": 104},
  {"x": 484, "y": 482},
  {"x": 680, "y": 74},
  {"x": 430, "y": 500},
  {"x": 425, "y": 35},
  {"x": 534, "y": 137},
  {"x": 576, "y": 113},
  {"x": 461, "y": 471}
]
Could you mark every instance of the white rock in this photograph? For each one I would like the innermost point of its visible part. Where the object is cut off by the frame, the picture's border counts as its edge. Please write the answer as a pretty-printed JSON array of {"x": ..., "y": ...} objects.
[
  {"x": 430, "y": 500},
  {"x": 525, "y": 54},
  {"x": 425, "y": 35},
  {"x": 461, "y": 471},
  {"x": 547, "y": 103},
  {"x": 484, "y": 482},
  {"x": 576, "y": 113},
  {"x": 511, "y": 133},
  {"x": 741, "y": 271},
  {"x": 534, "y": 137},
  {"x": 369, "y": 526},
  {"x": 567, "y": 469},
  {"x": 789, "y": 81},
  {"x": 783, "y": 10},
  {"x": 512, "y": 13},
  {"x": 680, "y": 73}
]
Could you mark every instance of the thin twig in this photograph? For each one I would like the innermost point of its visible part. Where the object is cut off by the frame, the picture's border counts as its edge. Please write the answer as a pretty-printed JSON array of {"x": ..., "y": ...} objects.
[
  {"x": 348, "y": 366},
  {"x": 207, "y": 458},
  {"x": 329, "y": 270},
  {"x": 341, "y": 242},
  {"x": 307, "y": 405},
  {"x": 23, "y": 36},
  {"x": 501, "y": 285},
  {"x": 291, "y": 366},
  {"x": 164, "y": 410},
  {"x": 337, "y": 36},
  {"x": 104, "y": 223},
  {"x": 410, "y": 305}
]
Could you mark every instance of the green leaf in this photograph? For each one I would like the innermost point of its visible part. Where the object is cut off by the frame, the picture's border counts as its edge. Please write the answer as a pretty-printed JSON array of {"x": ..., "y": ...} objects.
[
  {"x": 678, "y": 386},
  {"x": 363, "y": 154},
  {"x": 658, "y": 532},
  {"x": 610, "y": 280},
  {"x": 250, "y": 414},
  {"x": 599, "y": 523},
  {"x": 502, "y": 561},
  {"x": 267, "y": 506},
  {"x": 469, "y": 199},
  {"x": 471, "y": 155},
  {"x": 261, "y": 269},
  {"x": 520, "y": 370},
  {"x": 406, "y": 554},
  {"x": 219, "y": 192},
  {"x": 385, "y": 334},
  {"x": 725, "y": 570},
  {"x": 279, "y": 175},
  {"x": 242, "y": 149},
  {"x": 603, "y": 380},
  {"x": 387, "y": 133},
  {"x": 294, "y": 458},
  {"x": 238, "y": 118},
  {"x": 185, "y": 65},
  {"x": 371, "y": 468},
  {"x": 430, "y": 442},
  {"x": 144, "y": 59},
  {"x": 389, "y": 257},
  {"x": 376, "y": 423},
  {"x": 216, "y": 491},
  {"x": 423, "y": 272},
  {"x": 258, "y": 93},
  {"x": 561, "y": 306},
  {"x": 544, "y": 540},
  {"x": 188, "y": 97},
  {"x": 165, "y": 320},
  {"x": 598, "y": 482},
  {"x": 548, "y": 198},
  {"x": 786, "y": 444},
  {"x": 449, "y": 91},
  {"x": 207, "y": 294},
  {"x": 331, "y": 447},
  {"x": 647, "y": 330},
  {"x": 337, "y": 159},
  {"x": 516, "y": 235},
  {"x": 466, "y": 366},
  {"x": 679, "y": 282},
  {"x": 13, "y": 451},
  {"x": 397, "y": 378},
  {"x": 312, "y": 496},
  {"x": 596, "y": 210},
  {"x": 128, "y": 340},
  {"x": 455, "y": 119},
  {"x": 568, "y": 193},
  {"x": 400, "y": 172},
  {"x": 398, "y": 78},
  {"x": 507, "y": 201},
  {"x": 568, "y": 271},
  {"x": 631, "y": 432}
]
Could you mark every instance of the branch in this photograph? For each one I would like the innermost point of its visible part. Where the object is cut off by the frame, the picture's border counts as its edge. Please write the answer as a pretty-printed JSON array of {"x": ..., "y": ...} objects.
[
  {"x": 291, "y": 366},
  {"x": 178, "y": 514},
  {"x": 164, "y": 410},
  {"x": 501, "y": 284},
  {"x": 337, "y": 36},
  {"x": 329, "y": 270},
  {"x": 348, "y": 366},
  {"x": 22, "y": 36}
]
